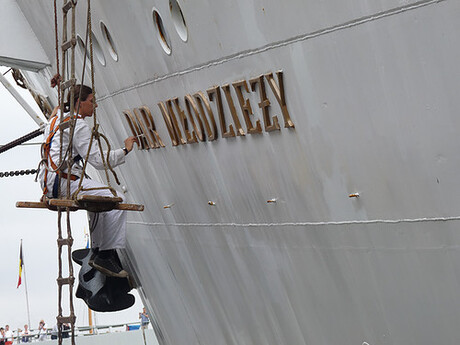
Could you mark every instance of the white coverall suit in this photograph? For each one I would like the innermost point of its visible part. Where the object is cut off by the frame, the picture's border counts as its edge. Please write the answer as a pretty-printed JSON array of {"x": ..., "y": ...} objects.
[{"x": 108, "y": 229}]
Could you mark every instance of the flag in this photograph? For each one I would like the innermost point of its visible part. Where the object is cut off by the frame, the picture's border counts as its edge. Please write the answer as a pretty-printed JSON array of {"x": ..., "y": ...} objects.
[{"x": 21, "y": 263}]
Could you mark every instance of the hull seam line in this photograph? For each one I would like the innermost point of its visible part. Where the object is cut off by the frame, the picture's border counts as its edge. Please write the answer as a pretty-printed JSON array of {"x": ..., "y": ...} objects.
[{"x": 286, "y": 42}]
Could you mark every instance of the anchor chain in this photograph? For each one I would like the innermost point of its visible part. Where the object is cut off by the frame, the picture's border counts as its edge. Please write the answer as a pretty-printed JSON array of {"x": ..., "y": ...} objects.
[{"x": 18, "y": 173}]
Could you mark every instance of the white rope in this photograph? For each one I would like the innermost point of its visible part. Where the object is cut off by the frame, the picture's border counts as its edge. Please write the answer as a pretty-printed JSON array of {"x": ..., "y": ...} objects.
[{"x": 303, "y": 224}]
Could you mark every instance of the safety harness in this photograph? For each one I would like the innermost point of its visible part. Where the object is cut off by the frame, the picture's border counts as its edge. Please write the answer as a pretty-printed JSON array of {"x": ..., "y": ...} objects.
[{"x": 47, "y": 158}]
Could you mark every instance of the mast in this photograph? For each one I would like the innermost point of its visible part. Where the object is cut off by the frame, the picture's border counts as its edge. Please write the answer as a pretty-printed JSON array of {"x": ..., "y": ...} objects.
[{"x": 33, "y": 115}]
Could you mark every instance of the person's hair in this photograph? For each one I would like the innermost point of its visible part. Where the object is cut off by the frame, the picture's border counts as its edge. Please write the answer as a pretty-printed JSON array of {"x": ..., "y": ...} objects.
[{"x": 85, "y": 92}]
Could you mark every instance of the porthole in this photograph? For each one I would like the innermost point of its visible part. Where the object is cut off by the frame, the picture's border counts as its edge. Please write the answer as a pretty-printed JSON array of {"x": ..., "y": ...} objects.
[
  {"x": 81, "y": 46},
  {"x": 161, "y": 32},
  {"x": 97, "y": 50},
  {"x": 178, "y": 20},
  {"x": 109, "y": 42}
]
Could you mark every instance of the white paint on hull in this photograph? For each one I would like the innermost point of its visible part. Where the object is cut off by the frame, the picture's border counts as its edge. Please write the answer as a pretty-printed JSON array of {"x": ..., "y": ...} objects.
[{"x": 372, "y": 89}]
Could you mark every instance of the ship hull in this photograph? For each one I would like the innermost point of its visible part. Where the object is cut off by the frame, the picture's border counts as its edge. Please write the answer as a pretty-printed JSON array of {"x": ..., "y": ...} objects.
[{"x": 337, "y": 228}]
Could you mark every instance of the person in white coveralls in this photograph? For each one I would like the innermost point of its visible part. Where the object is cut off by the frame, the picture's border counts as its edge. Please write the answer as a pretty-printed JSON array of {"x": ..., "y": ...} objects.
[{"x": 108, "y": 229}]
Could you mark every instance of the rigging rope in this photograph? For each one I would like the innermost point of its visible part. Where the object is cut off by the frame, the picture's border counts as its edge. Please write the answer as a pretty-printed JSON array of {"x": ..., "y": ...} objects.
[
  {"x": 56, "y": 45},
  {"x": 95, "y": 132},
  {"x": 95, "y": 135},
  {"x": 67, "y": 157},
  {"x": 68, "y": 241},
  {"x": 41, "y": 100}
]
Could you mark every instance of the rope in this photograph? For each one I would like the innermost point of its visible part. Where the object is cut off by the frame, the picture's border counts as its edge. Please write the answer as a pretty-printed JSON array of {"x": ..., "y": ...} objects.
[
  {"x": 71, "y": 276},
  {"x": 72, "y": 123},
  {"x": 73, "y": 115},
  {"x": 244, "y": 226},
  {"x": 56, "y": 44},
  {"x": 41, "y": 100},
  {"x": 95, "y": 135},
  {"x": 61, "y": 100},
  {"x": 68, "y": 155}
]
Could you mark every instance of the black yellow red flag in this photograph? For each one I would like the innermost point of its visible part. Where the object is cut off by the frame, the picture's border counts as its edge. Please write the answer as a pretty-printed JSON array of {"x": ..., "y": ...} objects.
[{"x": 21, "y": 263}]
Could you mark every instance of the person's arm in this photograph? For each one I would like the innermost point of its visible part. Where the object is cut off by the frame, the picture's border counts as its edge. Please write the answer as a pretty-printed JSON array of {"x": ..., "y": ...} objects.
[{"x": 82, "y": 138}]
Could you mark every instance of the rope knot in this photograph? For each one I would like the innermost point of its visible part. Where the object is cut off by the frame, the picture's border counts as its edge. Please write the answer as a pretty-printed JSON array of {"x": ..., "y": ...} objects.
[{"x": 95, "y": 131}]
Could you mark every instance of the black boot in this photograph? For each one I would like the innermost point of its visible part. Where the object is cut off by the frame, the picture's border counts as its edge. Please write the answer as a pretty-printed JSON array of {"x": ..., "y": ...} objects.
[
  {"x": 107, "y": 262},
  {"x": 94, "y": 252}
]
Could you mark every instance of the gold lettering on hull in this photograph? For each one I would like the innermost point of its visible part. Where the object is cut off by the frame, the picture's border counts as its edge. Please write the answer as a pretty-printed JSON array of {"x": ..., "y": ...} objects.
[
  {"x": 278, "y": 91},
  {"x": 194, "y": 114},
  {"x": 264, "y": 104},
  {"x": 136, "y": 130},
  {"x": 189, "y": 136},
  {"x": 170, "y": 124},
  {"x": 143, "y": 127},
  {"x": 175, "y": 123},
  {"x": 226, "y": 133},
  {"x": 197, "y": 122},
  {"x": 205, "y": 108},
  {"x": 152, "y": 134},
  {"x": 231, "y": 106},
  {"x": 246, "y": 108}
]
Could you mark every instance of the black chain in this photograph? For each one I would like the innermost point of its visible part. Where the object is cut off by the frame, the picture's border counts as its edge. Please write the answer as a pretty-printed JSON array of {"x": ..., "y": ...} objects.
[{"x": 18, "y": 173}]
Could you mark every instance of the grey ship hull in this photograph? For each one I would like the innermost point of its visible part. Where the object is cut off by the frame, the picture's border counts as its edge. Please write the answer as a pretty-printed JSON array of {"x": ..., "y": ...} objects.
[{"x": 372, "y": 90}]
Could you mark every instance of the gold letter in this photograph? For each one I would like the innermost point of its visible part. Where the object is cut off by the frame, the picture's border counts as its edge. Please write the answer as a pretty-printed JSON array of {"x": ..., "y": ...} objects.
[
  {"x": 279, "y": 94},
  {"x": 264, "y": 104},
  {"x": 246, "y": 107},
  {"x": 210, "y": 129},
  {"x": 136, "y": 130},
  {"x": 190, "y": 105},
  {"x": 231, "y": 105},
  {"x": 175, "y": 123},
  {"x": 183, "y": 119},
  {"x": 215, "y": 90},
  {"x": 151, "y": 129},
  {"x": 171, "y": 124},
  {"x": 143, "y": 129}
]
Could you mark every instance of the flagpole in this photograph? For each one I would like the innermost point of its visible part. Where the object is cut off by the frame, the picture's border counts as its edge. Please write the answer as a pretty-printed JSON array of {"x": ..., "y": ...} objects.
[
  {"x": 90, "y": 321},
  {"x": 27, "y": 293}
]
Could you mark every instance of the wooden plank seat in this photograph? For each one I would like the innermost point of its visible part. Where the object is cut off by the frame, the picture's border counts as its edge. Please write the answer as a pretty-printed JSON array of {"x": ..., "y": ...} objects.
[{"x": 91, "y": 203}]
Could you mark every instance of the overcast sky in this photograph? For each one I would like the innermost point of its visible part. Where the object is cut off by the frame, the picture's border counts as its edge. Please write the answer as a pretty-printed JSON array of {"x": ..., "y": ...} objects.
[{"x": 38, "y": 229}]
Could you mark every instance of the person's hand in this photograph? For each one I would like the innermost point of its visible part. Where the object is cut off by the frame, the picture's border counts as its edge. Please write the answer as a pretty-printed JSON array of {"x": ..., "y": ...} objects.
[
  {"x": 129, "y": 143},
  {"x": 56, "y": 80}
]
